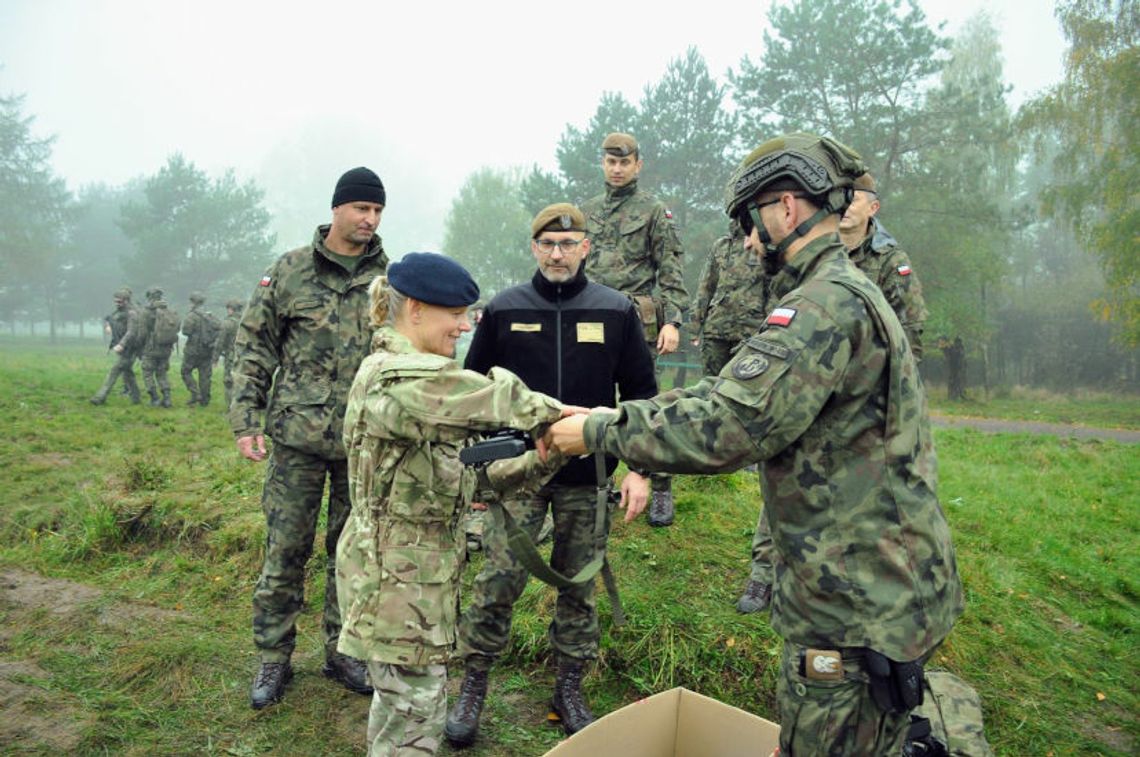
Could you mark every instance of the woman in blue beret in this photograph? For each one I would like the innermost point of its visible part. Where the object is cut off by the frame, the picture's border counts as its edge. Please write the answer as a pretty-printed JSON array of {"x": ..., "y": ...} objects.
[{"x": 411, "y": 408}]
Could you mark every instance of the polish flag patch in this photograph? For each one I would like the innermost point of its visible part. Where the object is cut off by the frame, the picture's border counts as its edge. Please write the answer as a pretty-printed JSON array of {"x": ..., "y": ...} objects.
[
  {"x": 669, "y": 214},
  {"x": 904, "y": 270},
  {"x": 781, "y": 317},
  {"x": 265, "y": 281}
]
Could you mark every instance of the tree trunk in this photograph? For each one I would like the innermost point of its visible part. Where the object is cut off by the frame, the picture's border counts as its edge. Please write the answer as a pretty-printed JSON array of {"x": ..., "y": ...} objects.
[{"x": 955, "y": 353}]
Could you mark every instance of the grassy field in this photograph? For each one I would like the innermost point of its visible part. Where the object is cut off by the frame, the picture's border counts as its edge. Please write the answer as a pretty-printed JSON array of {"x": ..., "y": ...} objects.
[
  {"x": 130, "y": 538},
  {"x": 1082, "y": 408}
]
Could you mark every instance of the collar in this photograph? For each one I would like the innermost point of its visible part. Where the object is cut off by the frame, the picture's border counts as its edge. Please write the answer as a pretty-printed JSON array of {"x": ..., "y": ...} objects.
[
  {"x": 792, "y": 275},
  {"x": 387, "y": 339},
  {"x": 620, "y": 193},
  {"x": 553, "y": 292},
  {"x": 371, "y": 249}
]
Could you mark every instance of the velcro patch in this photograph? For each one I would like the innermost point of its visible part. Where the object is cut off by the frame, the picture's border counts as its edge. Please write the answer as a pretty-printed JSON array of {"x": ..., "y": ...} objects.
[
  {"x": 593, "y": 333},
  {"x": 529, "y": 328},
  {"x": 669, "y": 214},
  {"x": 749, "y": 367},
  {"x": 769, "y": 348},
  {"x": 781, "y": 317},
  {"x": 265, "y": 281},
  {"x": 823, "y": 665},
  {"x": 904, "y": 270}
]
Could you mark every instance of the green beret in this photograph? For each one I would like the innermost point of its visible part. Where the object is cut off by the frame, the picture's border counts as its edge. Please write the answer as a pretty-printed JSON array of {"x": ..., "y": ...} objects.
[
  {"x": 561, "y": 216},
  {"x": 620, "y": 144}
]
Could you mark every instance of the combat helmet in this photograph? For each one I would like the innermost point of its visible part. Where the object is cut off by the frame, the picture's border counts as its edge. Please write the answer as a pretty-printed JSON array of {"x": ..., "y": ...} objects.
[
  {"x": 197, "y": 298},
  {"x": 154, "y": 293},
  {"x": 122, "y": 295},
  {"x": 235, "y": 305},
  {"x": 819, "y": 166}
]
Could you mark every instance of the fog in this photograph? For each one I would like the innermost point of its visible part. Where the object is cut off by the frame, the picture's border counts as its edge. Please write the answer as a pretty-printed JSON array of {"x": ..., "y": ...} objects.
[{"x": 422, "y": 93}]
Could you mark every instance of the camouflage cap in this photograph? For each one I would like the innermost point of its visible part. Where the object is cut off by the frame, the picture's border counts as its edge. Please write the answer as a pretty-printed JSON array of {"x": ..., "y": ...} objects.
[
  {"x": 153, "y": 293},
  {"x": 197, "y": 298},
  {"x": 620, "y": 144},
  {"x": 866, "y": 183},
  {"x": 800, "y": 161},
  {"x": 561, "y": 216}
]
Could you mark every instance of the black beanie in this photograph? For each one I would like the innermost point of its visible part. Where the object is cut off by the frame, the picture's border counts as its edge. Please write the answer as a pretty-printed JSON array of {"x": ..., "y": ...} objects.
[{"x": 359, "y": 184}]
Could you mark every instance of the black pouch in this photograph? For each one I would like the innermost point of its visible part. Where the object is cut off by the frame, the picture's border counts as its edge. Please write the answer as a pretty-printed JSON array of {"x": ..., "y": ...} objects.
[{"x": 895, "y": 686}]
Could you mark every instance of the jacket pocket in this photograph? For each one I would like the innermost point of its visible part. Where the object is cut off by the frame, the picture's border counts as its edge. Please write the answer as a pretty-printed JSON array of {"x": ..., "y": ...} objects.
[{"x": 420, "y": 591}]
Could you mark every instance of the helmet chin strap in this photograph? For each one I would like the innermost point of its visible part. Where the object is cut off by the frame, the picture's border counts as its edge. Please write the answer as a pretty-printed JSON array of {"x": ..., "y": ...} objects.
[{"x": 774, "y": 253}]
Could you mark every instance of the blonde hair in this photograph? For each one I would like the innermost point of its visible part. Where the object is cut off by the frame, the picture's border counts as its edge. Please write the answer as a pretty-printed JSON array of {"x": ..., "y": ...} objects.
[{"x": 385, "y": 304}]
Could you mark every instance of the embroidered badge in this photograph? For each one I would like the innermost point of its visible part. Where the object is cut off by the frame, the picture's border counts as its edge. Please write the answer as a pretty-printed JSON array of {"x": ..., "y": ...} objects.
[
  {"x": 265, "y": 281},
  {"x": 593, "y": 333},
  {"x": 750, "y": 367},
  {"x": 904, "y": 270},
  {"x": 529, "y": 328},
  {"x": 781, "y": 317},
  {"x": 823, "y": 665}
]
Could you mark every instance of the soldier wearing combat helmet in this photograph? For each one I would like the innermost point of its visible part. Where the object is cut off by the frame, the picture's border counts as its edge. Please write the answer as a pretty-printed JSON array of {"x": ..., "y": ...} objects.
[
  {"x": 827, "y": 399},
  {"x": 126, "y": 340},
  {"x": 200, "y": 331},
  {"x": 636, "y": 250}
]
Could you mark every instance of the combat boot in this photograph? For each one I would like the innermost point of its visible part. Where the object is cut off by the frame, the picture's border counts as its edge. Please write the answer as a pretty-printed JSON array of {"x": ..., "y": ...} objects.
[
  {"x": 154, "y": 401},
  {"x": 166, "y": 398},
  {"x": 135, "y": 399},
  {"x": 193, "y": 400},
  {"x": 661, "y": 509},
  {"x": 568, "y": 702},
  {"x": 98, "y": 400},
  {"x": 349, "y": 672},
  {"x": 269, "y": 684},
  {"x": 757, "y": 595},
  {"x": 463, "y": 720}
]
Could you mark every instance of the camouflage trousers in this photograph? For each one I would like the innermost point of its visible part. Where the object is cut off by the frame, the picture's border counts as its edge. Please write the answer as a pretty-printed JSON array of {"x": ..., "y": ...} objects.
[
  {"x": 485, "y": 628},
  {"x": 715, "y": 354},
  {"x": 409, "y": 707},
  {"x": 203, "y": 364},
  {"x": 833, "y": 717},
  {"x": 125, "y": 367},
  {"x": 763, "y": 548},
  {"x": 291, "y": 501},
  {"x": 659, "y": 482},
  {"x": 228, "y": 378},
  {"x": 155, "y": 372}
]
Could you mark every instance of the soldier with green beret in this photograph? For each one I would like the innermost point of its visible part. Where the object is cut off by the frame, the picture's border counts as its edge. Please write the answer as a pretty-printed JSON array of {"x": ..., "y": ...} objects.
[
  {"x": 411, "y": 409},
  {"x": 302, "y": 337},
  {"x": 636, "y": 250},
  {"x": 827, "y": 399},
  {"x": 201, "y": 331},
  {"x": 126, "y": 341}
]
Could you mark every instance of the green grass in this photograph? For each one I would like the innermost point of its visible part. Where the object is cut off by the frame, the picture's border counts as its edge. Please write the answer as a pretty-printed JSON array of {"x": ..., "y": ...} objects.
[
  {"x": 1082, "y": 408},
  {"x": 150, "y": 530}
]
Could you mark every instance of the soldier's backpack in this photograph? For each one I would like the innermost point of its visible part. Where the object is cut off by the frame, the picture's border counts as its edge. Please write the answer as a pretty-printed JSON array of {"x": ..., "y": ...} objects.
[
  {"x": 210, "y": 328},
  {"x": 166, "y": 325},
  {"x": 948, "y": 723}
]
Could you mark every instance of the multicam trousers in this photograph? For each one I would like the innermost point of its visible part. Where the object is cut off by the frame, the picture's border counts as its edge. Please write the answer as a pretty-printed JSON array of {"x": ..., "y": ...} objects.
[
  {"x": 291, "y": 500},
  {"x": 155, "y": 372},
  {"x": 124, "y": 366},
  {"x": 200, "y": 389},
  {"x": 409, "y": 707},
  {"x": 485, "y": 628}
]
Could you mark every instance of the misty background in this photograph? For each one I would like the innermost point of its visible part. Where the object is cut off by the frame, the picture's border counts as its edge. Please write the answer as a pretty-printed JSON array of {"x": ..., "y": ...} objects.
[{"x": 186, "y": 146}]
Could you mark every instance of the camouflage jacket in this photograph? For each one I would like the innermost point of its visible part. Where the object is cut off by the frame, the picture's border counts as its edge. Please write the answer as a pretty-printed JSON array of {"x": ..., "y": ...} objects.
[
  {"x": 148, "y": 345},
  {"x": 194, "y": 330},
  {"x": 828, "y": 399},
  {"x": 885, "y": 264},
  {"x": 304, "y": 334},
  {"x": 635, "y": 248},
  {"x": 127, "y": 330},
  {"x": 732, "y": 297},
  {"x": 224, "y": 345},
  {"x": 401, "y": 553}
]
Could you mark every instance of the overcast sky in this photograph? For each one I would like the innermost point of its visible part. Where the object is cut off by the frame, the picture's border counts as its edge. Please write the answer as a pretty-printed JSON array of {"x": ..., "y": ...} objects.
[{"x": 424, "y": 93}]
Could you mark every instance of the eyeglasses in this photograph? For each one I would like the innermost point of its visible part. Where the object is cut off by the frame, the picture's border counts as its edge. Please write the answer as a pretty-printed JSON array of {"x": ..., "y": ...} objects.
[
  {"x": 565, "y": 246},
  {"x": 749, "y": 216}
]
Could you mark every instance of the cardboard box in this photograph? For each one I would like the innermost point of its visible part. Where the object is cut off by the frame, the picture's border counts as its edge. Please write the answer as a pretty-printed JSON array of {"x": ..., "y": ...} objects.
[{"x": 674, "y": 723}]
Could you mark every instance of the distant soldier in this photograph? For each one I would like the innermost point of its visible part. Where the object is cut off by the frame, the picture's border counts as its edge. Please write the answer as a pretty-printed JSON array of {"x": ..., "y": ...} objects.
[
  {"x": 126, "y": 340},
  {"x": 160, "y": 327},
  {"x": 299, "y": 344},
  {"x": 224, "y": 346},
  {"x": 876, "y": 254},
  {"x": 636, "y": 251},
  {"x": 732, "y": 300},
  {"x": 201, "y": 331}
]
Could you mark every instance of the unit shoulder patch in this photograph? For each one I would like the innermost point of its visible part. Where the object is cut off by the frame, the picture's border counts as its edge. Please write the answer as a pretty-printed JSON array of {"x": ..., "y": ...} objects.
[{"x": 749, "y": 367}]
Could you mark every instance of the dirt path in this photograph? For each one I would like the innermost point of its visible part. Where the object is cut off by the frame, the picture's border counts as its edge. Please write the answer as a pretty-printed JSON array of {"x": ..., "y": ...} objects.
[{"x": 1001, "y": 426}]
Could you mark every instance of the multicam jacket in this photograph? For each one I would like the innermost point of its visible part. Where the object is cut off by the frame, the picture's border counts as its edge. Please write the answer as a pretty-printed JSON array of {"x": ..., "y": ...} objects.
[
  {"x": 193, "y": 328},
  {"x": 829, "y": 400},
  {"x": 127, "y": 330},
  {"x": 634, "y": 248},
  {"x": 401, "y": 553},
  {"x": 304, "y": 333},
  {"x": 732, "y": 296},
  {"x": 880, "y": 258},
  {"x": 224, "y": 344}
]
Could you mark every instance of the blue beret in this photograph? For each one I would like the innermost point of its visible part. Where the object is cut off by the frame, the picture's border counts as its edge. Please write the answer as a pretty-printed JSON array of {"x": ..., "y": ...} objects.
[{"x": 433, "y": 278}]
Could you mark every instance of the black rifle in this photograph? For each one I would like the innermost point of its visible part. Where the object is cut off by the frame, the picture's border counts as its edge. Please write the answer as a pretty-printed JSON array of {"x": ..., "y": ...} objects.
[{"x": 502, "y": 444}]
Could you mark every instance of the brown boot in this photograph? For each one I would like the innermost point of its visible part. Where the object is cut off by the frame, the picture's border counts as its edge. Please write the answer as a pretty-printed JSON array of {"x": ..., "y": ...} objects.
[
  {"x": 463, "y": 719},
  {"x": 568, "y": 702}
]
